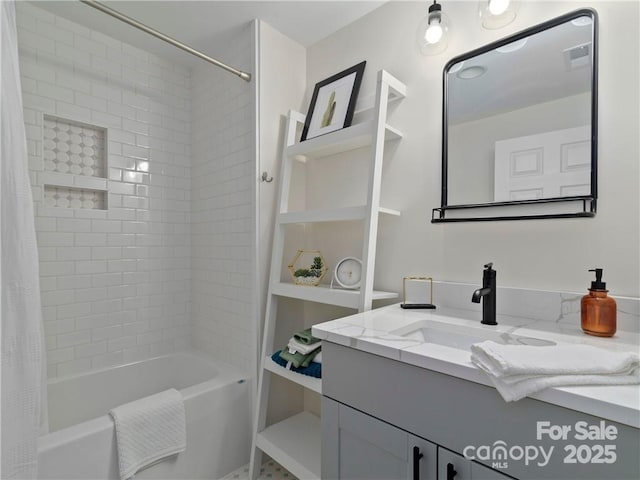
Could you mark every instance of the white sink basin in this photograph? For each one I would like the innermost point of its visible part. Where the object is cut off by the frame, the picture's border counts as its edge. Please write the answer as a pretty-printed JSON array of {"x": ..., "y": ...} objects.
[{"x": 430, "y": 331}]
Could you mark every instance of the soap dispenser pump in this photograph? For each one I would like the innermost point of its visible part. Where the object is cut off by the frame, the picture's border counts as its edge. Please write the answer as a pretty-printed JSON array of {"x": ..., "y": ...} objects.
[{"x": 598, "y": 310}]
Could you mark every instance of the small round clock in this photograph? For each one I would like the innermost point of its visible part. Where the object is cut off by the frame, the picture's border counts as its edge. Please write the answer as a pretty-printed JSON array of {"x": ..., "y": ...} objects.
[{"x": 348, "y": 272}]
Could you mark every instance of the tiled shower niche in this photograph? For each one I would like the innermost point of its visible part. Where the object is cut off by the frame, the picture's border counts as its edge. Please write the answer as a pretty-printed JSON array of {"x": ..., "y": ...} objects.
[
  {"x": 78, "y": 150},
  {"x": 69, "y": 197},
  {"x": 75, "y": 148}
]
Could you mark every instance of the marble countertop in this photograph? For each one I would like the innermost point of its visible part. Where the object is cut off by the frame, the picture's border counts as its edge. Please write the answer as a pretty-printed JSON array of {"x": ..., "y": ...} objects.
[{"x": 372, "y": 332}]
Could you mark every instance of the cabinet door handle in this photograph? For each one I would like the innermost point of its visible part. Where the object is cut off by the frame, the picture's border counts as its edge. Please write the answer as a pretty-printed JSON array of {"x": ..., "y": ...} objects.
[
  {"x": 451, "y": 472},
  {"x": 416, "y": 463}
]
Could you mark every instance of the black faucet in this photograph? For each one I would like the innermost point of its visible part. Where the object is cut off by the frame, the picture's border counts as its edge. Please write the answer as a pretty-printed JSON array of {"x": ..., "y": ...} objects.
[{"x": 488, "y": 295}]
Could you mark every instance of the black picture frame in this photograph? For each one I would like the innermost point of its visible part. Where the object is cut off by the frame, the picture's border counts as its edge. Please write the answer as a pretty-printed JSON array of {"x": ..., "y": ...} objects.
[{"x": 333, "y": 103}]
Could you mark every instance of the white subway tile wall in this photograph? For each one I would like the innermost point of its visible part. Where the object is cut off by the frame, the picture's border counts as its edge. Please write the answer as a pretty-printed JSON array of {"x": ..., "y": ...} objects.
[
  {"x": 116, "y": 283},
  {"x": 222, "y": 212}
]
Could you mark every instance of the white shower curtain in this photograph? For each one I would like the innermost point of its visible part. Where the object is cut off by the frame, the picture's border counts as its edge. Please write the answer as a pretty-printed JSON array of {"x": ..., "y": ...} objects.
[{"x": 22, "y": 339}]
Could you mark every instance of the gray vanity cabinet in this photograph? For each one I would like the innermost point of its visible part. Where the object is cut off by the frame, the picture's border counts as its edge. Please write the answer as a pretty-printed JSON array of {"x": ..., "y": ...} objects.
[
  {"x": 480, "y": 472},
  {"x": 375, "y": 410},
  {"x": 357, "y": 446},
  {"x": 452, "y": 466}
]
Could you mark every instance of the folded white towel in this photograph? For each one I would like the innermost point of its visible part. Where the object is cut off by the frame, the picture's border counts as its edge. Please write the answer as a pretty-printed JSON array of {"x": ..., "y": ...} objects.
[
  {"x": 317, "y": 358},
  {"x": 296, "y": 346},
  {"x": 519, "y": 370},
  {"x": 148, "y": 430}
]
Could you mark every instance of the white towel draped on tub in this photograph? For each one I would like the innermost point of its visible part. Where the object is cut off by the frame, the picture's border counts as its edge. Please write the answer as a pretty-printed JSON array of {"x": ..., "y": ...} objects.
[
  {"x": 148, "y": 430},
  {"x": 519, "y": 370}
]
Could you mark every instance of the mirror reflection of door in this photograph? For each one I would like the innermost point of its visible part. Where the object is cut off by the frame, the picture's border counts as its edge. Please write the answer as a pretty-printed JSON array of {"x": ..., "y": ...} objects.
[{"x": 547, "y": 165}]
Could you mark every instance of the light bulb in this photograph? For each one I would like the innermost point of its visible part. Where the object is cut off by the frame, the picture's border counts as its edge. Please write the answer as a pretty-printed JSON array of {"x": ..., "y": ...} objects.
[
  {"x": 433, "y": 33},
  {"x": 497, "y": 13},
  {"x": 498, "y": 7}
]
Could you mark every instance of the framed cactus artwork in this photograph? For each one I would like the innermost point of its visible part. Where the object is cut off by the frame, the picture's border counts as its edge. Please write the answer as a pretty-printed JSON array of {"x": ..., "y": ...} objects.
[{"x": 333, "y": 103}]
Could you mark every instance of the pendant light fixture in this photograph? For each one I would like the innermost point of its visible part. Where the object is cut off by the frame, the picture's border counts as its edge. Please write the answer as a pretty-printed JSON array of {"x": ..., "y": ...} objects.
[
  {"x": 497, "y": 13},
  {"x": 433, "y": 31}
]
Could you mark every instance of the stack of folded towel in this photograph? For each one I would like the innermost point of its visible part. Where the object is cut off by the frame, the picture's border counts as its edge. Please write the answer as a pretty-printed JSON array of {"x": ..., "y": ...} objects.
[
  {"x": 313, "y": 370},
  {"x": 301, "y": 352},
  {"x": 517, "y": 370}
]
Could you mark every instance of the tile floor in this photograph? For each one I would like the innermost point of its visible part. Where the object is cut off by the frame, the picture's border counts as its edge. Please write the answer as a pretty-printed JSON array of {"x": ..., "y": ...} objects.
[{"x": 270, "y": 471}]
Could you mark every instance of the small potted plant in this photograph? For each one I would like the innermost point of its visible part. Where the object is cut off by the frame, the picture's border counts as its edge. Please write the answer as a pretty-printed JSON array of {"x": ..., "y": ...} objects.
[{"x": 310, "y": 275}]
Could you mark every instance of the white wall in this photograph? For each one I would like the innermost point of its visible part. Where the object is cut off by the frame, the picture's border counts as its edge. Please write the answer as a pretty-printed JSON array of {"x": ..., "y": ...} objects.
[
  {"x": 544, "y": 254},
  {"x": 282, "y": 79},
  {"x": 115, "y": 283},
  {"x": 282, "y": 85},
  {"x": 222, "y": 210}
]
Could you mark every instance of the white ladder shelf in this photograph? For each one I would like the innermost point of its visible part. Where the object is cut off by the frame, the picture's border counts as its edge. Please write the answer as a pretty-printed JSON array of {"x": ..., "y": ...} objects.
[{"x": 295, "y": 442}]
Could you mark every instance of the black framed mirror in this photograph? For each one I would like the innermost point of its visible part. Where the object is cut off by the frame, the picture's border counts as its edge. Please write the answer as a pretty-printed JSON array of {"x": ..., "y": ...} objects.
[{"x": 519, "y": 136}]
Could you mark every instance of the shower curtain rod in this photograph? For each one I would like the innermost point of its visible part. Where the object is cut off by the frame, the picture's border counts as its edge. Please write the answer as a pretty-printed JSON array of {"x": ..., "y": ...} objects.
[{"x": 134, "y": 23}]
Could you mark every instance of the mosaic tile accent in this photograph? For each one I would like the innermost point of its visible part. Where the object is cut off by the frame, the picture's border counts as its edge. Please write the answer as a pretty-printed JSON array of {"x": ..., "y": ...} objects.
[
  {"x": 269, "y": 471},
  {"x": 75, "y": 148},
  {"x": 67, "y": 197}
]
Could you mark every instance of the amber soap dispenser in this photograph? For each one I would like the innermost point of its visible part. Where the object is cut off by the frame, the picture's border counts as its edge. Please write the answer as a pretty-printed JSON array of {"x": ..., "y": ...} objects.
[{"x": 598, "y": 310}]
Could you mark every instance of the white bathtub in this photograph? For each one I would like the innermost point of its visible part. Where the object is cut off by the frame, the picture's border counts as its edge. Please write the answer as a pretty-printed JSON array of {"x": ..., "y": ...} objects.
[{"x": 82, "y": 445}]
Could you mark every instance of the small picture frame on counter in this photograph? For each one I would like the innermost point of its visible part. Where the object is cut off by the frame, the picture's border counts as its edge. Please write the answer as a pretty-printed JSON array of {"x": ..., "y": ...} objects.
[{"x": 416, "y": 291}]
